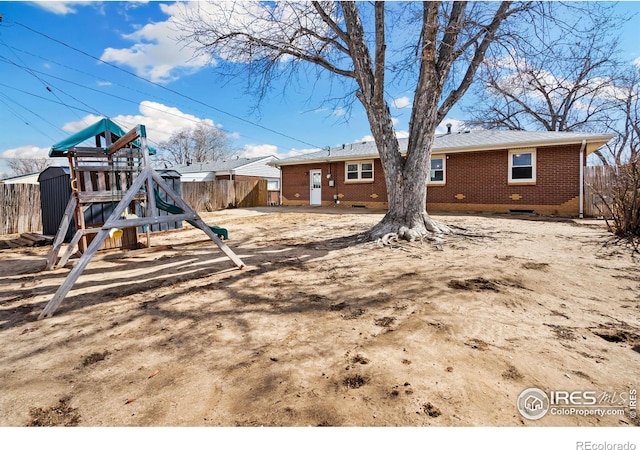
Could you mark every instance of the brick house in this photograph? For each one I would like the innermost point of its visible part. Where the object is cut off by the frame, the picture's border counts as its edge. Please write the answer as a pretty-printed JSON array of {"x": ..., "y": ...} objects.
[{"x": 477, "y": 171}]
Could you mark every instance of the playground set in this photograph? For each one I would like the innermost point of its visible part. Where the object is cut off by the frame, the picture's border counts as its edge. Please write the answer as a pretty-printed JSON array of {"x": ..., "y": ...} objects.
[{"x": 116, "y": 170}]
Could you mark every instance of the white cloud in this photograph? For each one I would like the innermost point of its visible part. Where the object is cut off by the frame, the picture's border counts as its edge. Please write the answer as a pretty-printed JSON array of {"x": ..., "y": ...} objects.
[
  {"x": 366, "y": 138},
  {"x": 395, "y": 121},
  {"x": 26, "y": 152},
  {"x": 402, "y": 102},
  {"x": 29, "y": 152},
  {"x": 160, "y": 120},
  {"x": 456, "y": 125},
  {"x": 253, "y": 150},
  {"x": 636, "y": 62},
  {"x": 104, "y": 83},
  {"x": 340, "y": 111},
  {"x": 157, "y": 53},
  {"x": 400, "y": 134},
  {"x": 62, "y": 8}
]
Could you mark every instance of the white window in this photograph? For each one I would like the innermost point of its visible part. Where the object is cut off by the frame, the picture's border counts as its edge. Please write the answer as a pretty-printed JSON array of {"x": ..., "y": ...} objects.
[
  {"x": 438, "y": 174},
  {"x": 359, "y": 171},
  {"x": 522, "y": 165},
  {"x": 273, "y": 185}
]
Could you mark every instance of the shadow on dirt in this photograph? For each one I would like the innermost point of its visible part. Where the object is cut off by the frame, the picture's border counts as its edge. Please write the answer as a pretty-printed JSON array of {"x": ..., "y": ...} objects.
[{"x": 187, "y": 263}]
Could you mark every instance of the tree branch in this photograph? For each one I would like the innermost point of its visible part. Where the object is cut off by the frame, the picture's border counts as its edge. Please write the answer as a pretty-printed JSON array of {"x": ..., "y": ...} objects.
[
  {"x": 380, "y": 55},
  {"x": 326, "y": 18},
  {"x": 501, "y": 14}
]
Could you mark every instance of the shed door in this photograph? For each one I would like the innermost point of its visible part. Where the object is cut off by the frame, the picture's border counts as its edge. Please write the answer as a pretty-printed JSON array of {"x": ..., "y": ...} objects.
[{"x": 315, "y": 186}]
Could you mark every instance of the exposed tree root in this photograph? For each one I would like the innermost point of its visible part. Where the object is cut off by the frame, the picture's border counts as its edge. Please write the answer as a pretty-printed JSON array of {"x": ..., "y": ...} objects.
[
  {"x": 388, "y": 238},
  {"x": 418, "y": 227},
  {"x": 391, "y": 232}
]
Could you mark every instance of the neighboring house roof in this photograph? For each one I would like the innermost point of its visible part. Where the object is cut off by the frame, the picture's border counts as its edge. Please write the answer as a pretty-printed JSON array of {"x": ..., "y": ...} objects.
[
  {"x": 100, "y": 128},
  {"x": 28, "y": 178},
  {"x": 220, "y": 166},
  {"x": 480, "y": 140}
]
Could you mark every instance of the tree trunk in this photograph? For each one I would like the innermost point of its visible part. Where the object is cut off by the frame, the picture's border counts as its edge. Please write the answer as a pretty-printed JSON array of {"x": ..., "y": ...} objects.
[
  {"x": 407, "y": 215},
  {"x": 405, "y": 176}
]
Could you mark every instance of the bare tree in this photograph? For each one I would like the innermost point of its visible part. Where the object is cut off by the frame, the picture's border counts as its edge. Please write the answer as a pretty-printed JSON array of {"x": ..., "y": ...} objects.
[
  {"x": 557, "y": 77},
  {"x": 624, "y": 119},
  {"x": 22, "y": 166},
  {"x": 621, "y": 199},
  {"x": 619, "y": 186},
  {"x": 200, "y": 144},
  {"x": 442, "y": 46}
]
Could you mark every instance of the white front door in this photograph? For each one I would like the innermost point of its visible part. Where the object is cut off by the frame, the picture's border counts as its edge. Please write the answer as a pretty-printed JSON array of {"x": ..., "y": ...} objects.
[{"x": 315, "y": 187}]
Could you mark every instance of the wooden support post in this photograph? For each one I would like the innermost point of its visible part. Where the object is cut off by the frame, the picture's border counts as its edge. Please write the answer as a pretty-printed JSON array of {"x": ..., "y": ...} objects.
[
  {"x": 62, "y": 232},
  {"x": 214, "y": 237},
  {"x": 81, "y": 225},
  {"x": 151, "y": 198},
  {"x": 70, "y": 248},
  {"x": 203, "y": 226},
  {"x": 71, "y": 279}
]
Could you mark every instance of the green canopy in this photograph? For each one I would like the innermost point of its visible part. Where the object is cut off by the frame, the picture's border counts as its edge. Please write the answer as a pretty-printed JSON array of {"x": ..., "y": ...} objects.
[{"x": 99, "y": 128}]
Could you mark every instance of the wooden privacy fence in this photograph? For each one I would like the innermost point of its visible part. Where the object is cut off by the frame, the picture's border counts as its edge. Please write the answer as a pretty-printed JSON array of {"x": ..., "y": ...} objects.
[
  {"x": 20, "y": 208},
  {"x": 219, "y": 194},
  {"x": 597, "y": 185},
  {"x": 20, "y": 203}
]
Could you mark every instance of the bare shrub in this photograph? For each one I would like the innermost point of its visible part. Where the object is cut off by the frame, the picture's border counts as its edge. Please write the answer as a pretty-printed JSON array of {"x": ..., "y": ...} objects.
[{"x": 621, "y": 199}]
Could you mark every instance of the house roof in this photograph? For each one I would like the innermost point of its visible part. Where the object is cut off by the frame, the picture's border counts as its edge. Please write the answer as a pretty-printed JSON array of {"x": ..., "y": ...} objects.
[
  {"x": 27, "y": 177},
  {"x": 480, "y": 140},
  {"x": 220, "y": 166},
  {"x": 100, "y": 128}
]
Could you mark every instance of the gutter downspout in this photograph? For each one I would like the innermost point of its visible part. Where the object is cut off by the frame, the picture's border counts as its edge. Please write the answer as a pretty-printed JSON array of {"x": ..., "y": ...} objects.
[
  {"x": 280, "y": 183},
  {"x": 581, "y": 212}
]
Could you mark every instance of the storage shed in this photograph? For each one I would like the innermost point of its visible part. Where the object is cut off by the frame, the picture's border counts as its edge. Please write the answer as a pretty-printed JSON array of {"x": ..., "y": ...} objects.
[{"x": 55, "y": 190}]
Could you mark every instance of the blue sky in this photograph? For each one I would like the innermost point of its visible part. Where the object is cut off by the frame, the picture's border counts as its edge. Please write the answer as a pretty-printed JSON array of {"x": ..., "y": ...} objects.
[{"x": 53, "y": 84}]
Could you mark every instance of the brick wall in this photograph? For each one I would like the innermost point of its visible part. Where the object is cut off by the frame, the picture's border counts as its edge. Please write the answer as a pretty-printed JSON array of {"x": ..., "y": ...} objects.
[
  {"x": 482, "y": 178},
  {"x": 295, "y": 186},
  {"x": 475, "y": 181}
]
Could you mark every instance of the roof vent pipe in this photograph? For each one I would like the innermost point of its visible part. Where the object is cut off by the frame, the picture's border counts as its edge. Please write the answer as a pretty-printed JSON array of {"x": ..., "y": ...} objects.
[{"x": 449, "y": 128}]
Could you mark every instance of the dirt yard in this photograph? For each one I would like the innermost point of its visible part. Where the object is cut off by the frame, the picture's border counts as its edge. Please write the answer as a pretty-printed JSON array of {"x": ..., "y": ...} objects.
[{"x": 320, "y": 331}]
